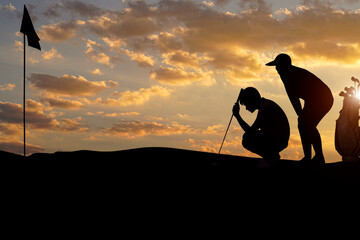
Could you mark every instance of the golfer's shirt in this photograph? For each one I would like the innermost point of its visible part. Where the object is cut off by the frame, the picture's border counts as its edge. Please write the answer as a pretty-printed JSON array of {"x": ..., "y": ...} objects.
[
  {"x": 300, "y": 83},
  {"x": 272, "y": 121}
]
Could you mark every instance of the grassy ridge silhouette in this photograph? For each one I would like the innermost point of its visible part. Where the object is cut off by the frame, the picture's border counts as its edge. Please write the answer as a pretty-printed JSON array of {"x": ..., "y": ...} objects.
[{"x": 168, "y": 166}]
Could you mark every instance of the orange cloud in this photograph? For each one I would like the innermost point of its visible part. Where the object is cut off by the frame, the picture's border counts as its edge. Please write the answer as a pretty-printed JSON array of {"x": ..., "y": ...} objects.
[
  {"x": 204, "y": 145},
  {"x": 7, "y": 87},
  {"x": 178, "y": 76},
  {"x": 62, "y": 103},
  {"x": 140, "y": 129},
  {"x": 57, "y": 32},
  {"x": 258, "y": 30},
  {"x": 19, "y": 46},
  {"x": 188, "y": 34},
  {"x": 141, "y": 59},
  {"x": 8, "y": 7},
  {"x": 163, "y": 42},
  {"x": 234, "y": 58},
  {"x": 183, "y": 59},
  {"x": 124, "y": 24},
  {"x": 121, "y": 114},
  {"x": 135, "y": 97},
  {"x": 214, "y": 129},
  {"x": 10, "y": 129},
  {"x": 118, "y": 114},
  {"x": 68, "y": 85},
  {"x": 97, "y": 72},
  {"x": 240, "y": 76},
  {"x": 327, "y": 51},
  {"x": 99, "y": 54},
  {"x": 114, "y": 43},
  {"x": 52, "y": 53}
]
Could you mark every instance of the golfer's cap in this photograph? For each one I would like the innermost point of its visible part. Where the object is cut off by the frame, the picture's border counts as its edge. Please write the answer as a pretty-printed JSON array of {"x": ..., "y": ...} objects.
[{"x": 281, "y": 59}]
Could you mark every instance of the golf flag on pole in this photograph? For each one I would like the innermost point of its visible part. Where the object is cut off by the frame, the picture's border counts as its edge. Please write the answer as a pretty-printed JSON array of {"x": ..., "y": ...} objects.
[{"x": 27, "y": 28}]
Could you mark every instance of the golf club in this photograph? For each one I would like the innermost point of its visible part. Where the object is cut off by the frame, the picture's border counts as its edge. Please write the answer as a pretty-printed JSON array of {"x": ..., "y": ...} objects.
[{"x": 232, "y": 115}]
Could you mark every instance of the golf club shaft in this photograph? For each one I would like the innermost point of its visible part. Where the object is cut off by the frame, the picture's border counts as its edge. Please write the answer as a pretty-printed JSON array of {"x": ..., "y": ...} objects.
[
  {"x": 226, "y": 133},
  {"x": 237, "y": 100}
]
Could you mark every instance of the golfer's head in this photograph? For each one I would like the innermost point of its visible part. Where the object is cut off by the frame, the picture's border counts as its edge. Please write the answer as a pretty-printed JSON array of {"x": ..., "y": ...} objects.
[
  {"x": 250, "y": 98},
  {"x": 282, "y": 62}
]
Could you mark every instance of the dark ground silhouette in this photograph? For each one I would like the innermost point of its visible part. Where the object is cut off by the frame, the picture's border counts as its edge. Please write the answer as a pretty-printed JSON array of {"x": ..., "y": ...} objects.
[
  {"x": 168, "y": 167},
  {"x": 90, "y": 190}
]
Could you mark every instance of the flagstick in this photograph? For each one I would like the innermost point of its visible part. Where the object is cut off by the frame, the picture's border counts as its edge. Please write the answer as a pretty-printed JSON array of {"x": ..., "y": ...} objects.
[{"x": 24, "y": 100}]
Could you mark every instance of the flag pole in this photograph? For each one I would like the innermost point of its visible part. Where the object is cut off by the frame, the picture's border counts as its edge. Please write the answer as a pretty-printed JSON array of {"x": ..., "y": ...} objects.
[
  {"x": 27, "y": 28},
  {"x": 24, "y": 100}
]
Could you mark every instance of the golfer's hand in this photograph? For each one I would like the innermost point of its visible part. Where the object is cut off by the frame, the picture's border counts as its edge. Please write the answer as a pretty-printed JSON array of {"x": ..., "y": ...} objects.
[{"x": 236, "y": 109}]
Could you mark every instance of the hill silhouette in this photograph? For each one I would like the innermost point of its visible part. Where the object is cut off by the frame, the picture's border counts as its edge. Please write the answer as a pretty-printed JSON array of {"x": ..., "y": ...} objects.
[
  {"x": 170, "y": 167},
  {"x": 95, "y": 188}
]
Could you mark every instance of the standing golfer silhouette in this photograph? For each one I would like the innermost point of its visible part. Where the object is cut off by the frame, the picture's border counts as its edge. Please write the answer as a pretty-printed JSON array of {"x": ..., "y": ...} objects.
[{"x": 318, "y": 100}]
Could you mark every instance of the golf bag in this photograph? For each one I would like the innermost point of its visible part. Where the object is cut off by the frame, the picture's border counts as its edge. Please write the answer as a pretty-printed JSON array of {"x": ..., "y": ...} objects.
[{"x": 347, "y": 131}]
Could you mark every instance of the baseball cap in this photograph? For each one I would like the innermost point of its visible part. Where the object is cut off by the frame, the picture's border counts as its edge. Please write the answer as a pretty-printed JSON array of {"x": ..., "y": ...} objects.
[{"x": 281, "y": 59}]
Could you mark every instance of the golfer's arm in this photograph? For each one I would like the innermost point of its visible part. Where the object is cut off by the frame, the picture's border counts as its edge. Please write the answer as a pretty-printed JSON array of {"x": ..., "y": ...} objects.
[
  {"x": 295, "y": 101},
  {"x": 242, "y": 123},
  {"x": 296, "y": 104}
]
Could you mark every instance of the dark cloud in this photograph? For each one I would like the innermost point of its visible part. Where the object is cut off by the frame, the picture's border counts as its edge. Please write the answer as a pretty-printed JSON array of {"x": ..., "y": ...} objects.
[
  {"x": 81, "y": 8},
  {"x": 221, "y": 2},
  {"x": 53, "y": 11},
  {"x": 256, "y": 5},
  {"x": 72, "y": 125},
  {"x": 163, "y": 42},
  {"x": 123, "y": 26},
  {"x": 62, "y": 103},
  {"x": 58, "y": 32},
  {"x": 11, "y": 115},
  {"x": 77, "y": 8},
  {"x": 35, "y": 116}
]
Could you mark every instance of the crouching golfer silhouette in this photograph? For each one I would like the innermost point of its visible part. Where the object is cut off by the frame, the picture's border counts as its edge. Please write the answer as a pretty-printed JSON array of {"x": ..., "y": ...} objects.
[
  {"x": 318, "y": 100},
  {"x": 270, "y": 132}
]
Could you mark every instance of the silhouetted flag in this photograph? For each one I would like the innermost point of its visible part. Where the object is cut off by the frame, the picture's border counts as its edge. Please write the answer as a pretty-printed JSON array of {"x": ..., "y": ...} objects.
[{"x": 27, "y": 28}]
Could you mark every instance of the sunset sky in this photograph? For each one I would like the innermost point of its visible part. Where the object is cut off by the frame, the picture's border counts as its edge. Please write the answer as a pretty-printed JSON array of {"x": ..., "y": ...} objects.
[{"x": 116, "y": 75}]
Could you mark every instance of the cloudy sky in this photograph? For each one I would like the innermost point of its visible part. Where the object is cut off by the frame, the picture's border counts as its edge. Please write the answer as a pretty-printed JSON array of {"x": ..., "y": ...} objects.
[{"x": 124, "y": 74}]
